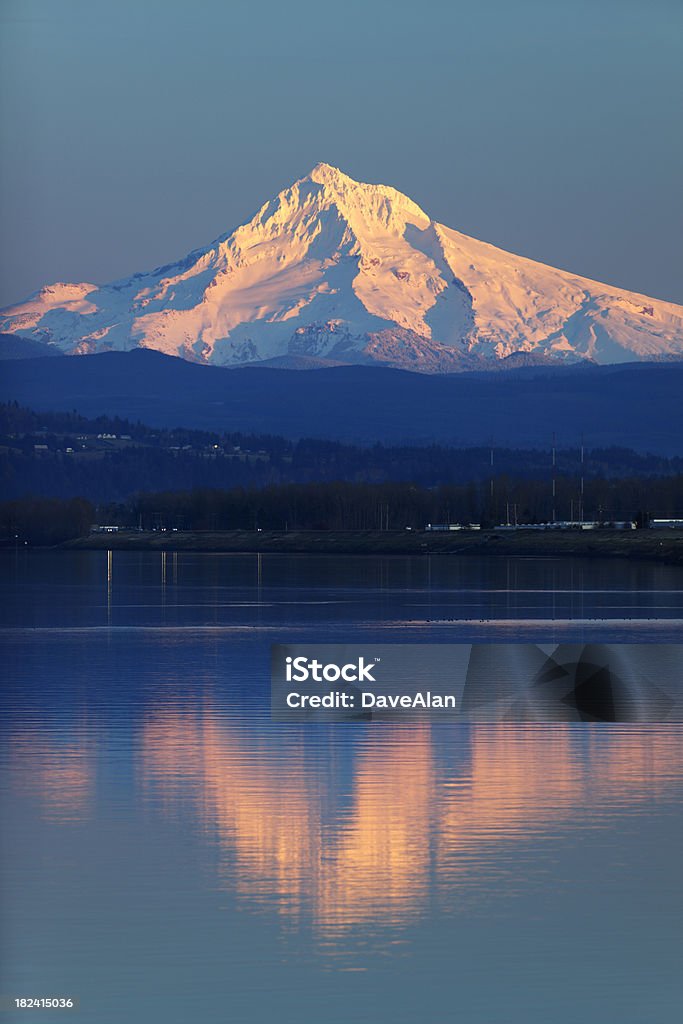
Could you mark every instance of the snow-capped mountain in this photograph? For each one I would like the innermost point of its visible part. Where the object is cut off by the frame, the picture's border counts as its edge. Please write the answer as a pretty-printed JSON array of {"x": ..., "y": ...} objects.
[{"x": 335, "y": 270}]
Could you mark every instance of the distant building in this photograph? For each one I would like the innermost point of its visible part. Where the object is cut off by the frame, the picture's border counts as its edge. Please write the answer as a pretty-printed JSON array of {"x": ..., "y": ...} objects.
[
  {"x": 444, "y": 527},
  {"x": 674, "y": 523},
  {"x": 569, "y": 525}
]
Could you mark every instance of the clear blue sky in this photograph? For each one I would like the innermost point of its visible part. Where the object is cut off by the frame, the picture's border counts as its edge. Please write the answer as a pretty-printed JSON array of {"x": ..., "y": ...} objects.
[{"x": 136, "y": 130}]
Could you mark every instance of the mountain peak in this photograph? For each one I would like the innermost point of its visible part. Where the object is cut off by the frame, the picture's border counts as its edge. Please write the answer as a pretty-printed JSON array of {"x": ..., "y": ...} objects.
[
  {"x": 326, "y": 174},
  {"x": 379, "y": 200},
  {"x": 339, "y": 270}
]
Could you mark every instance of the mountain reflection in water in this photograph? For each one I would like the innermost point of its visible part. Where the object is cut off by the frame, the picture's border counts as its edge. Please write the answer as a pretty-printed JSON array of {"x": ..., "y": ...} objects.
[{"x": 414, "y": 813}]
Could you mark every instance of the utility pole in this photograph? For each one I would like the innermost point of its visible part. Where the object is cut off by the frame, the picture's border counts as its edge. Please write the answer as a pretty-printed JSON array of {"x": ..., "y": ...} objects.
[
  {"x": 554, "y": 510},
  {"x": 581, "y": 488}
]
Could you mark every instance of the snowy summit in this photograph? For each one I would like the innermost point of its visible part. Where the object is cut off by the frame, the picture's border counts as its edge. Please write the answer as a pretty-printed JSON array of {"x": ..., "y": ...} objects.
[{"x": 335, "y": 270}]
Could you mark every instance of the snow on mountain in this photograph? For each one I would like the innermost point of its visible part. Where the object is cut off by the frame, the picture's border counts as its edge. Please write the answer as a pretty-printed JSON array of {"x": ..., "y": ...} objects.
[{"x": 340, "y": 271}]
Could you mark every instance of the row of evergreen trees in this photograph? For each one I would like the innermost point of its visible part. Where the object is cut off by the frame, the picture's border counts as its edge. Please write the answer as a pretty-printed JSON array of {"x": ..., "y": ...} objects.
[
  {"x": 346, "y": 506},
  {"x": 395, "y": 506}
]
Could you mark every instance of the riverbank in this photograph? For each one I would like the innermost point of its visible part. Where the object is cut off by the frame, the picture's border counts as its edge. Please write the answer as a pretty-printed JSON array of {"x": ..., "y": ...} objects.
[{"x": 663, "y": 546}]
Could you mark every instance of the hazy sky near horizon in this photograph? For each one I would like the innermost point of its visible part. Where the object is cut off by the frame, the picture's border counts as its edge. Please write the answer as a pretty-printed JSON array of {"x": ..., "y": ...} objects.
[{"x": 136, "y": 130}]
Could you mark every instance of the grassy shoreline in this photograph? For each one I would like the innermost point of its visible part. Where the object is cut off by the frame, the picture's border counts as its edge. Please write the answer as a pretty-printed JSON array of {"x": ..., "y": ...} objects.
[{"x": 663, "y": 546}]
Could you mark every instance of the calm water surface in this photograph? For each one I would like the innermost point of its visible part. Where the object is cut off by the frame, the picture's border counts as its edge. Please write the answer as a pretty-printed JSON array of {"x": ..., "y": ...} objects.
[{"x": 169, "y": 854}]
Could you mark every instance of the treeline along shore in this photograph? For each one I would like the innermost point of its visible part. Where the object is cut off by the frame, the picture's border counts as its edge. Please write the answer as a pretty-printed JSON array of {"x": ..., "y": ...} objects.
[
  {"x": 347, "y": 518},
  {"x": 663, "y": 546},
  {"x": 114, "y": 483}
]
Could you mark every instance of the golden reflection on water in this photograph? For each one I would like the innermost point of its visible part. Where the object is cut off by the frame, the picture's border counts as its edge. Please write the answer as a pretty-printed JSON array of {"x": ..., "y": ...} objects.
[
  {"x": 359, "y": 826},
  {"x": 58, "y": 772},
  {"x": 264, "y": 809},
  {"x": 412, "y": 822}
]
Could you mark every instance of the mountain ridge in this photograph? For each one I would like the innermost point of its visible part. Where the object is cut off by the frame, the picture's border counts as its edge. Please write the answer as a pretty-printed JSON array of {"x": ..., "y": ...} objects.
[
  {"x": 635, "y": 405},
  {"x": 341, "y": 271}
]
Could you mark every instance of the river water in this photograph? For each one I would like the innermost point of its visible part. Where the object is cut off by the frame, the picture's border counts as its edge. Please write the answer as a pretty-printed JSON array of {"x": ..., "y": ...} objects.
[{"x": 170, "y": 854}]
